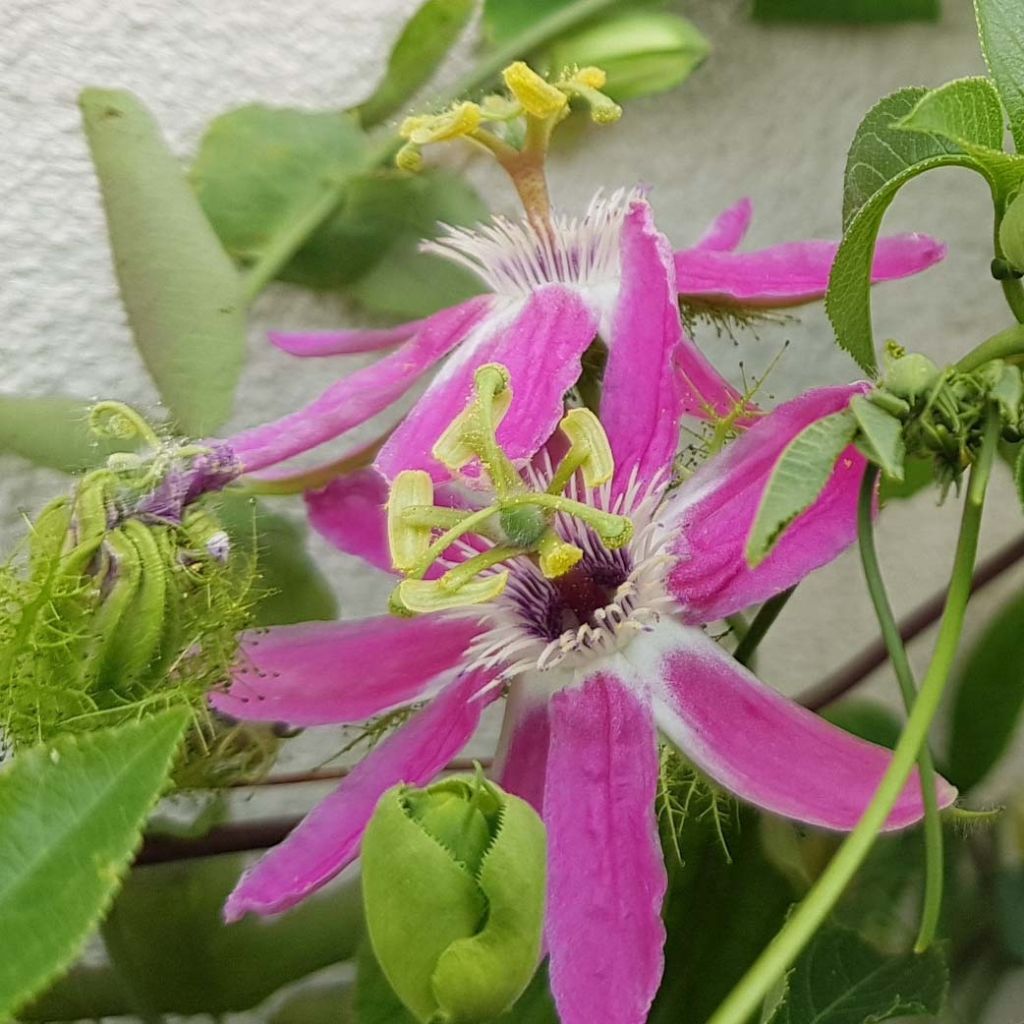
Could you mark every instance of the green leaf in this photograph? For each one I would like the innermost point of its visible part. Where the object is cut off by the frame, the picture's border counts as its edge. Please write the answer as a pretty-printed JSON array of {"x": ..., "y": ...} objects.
[
  {"x": 261, "y": 170},
  {"x": 988, "y": 695},
  {"x": 504, "y": 20},
  {"x": 319, "y": 1004},
  {"x": 799, "y": 476},
  {"x": 167, "y": 935},
  {"x": 290, "y": 588},
  {"x": 881, "y": 436},
  {"x": 1009, "y": 891},
  {"x": 53, "y": 431},
  {"x": 182, "y": 295},
  {"x": 1001, "y": 28},
  {"x": 867, "y": 719},
  {"x": 917, "y": 475},
  {"x": 73, "y": 813},
  {"x": 382, "y": 215},
  {"x": 841, "y": 979},
  {"x": 881, "y": 160},
  {"x": 426, "y": 38},
  {"x": 848, "y": 11}
]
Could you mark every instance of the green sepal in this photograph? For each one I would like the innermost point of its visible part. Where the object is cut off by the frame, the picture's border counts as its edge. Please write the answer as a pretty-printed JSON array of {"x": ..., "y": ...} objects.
[{"x": 880, "y": 437}]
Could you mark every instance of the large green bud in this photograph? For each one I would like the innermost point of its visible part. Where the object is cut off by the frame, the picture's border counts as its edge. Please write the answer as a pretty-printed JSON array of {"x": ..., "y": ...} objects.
[{"x": 453, "y": 882}]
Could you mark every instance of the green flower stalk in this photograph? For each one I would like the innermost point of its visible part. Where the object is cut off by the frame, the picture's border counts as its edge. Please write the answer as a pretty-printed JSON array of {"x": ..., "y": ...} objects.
[{"x": 453, "y": 882}]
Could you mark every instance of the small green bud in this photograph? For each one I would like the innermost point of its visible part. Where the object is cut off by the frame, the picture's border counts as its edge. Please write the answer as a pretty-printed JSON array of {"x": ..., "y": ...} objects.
[
  {"x": 1011, "y": 240},
  {"x": 909, "y": 376},
  {"x": 454, "y": 877}
]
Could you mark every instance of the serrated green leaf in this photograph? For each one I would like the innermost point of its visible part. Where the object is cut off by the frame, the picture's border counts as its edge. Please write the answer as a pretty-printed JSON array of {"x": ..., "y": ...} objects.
[
  {"x": 881, "y": 436},
  {"x": 847, "y": 11},
  {"x": 427, "y": 37},
  {"x": 53, "y": 431},
  {"x": 73, "y": 812},
  {"x": 182, "y": 295},
  {"x": 988, "y": 692},
  {"x": 882, "y": 159},
  {"x": 260, "y": 169},
  {"x": 381, "y": 216},
  {"x": 1001, "y": 28},
  {"x": 290, "y": 587},
  {"x": 841, "y": 979},
  {"x": 799, "y": 476}
]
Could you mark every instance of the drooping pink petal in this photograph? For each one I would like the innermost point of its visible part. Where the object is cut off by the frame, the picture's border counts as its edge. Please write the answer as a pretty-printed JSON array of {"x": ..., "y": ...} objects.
[
  {"x": 729, "y": 228},
  {"x": 540, "y": 341},
  {"x": 328, "y": 837},
  {"x": 606, "y": 876},
  {"x": 351, "y": 513},
  {"x": 336, "y": 343},
  {"x": 520, "y": 765},
  {"x": 762, "y": 746},
  {"x": 794, "y": 272},
  {"x": 642, "y": 400},
  {"x": 361, "y": 395},
  {"x": 714, "y": 511},
  {"x": 322, "y": 673}
]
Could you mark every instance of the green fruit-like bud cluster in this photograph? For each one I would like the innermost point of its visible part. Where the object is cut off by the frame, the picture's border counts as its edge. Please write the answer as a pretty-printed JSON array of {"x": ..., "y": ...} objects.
[{"x": 453, "y": 883}]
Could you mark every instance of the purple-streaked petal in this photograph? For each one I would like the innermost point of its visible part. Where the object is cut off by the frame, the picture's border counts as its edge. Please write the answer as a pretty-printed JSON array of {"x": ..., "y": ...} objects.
[
  {"x": 350, "y": 512},
  {"x": 763, "y": 747},
  {"x": 642, "y": 400},
  {"x": 322, "y": 673},
  {"x": 361, "y": 395},
  {"x": 520, "y": 765},
  {"x": 328, "y": 837},
  {"x": 794, "y": 272},
  {"x": 540, "y": 341},
  {"x": 606, "y": 876},
  {"x": 714, "y": 511},
  {"x": 337, "y": 343},
  {"x": 729, "y": 228}
]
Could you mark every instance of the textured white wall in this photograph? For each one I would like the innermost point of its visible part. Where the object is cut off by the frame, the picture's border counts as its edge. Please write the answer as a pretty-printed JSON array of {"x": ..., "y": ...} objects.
[{"x": 769, "y": 116}]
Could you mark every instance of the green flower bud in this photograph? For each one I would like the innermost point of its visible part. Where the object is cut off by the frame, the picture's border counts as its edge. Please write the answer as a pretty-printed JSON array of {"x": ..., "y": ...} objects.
[
  {"x": 642, "y": 52},
  {"x": 909, "y": 376},
  {"x": 1011, "y": 238},
  {"x": 453, "y": 883}
]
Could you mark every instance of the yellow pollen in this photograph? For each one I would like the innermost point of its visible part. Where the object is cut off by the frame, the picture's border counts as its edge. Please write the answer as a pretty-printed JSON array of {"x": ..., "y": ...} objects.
[
  {"x": 538, "y": 97},
  {"x": 593, "y": 78},
  {"x": 463, "y": 119}
]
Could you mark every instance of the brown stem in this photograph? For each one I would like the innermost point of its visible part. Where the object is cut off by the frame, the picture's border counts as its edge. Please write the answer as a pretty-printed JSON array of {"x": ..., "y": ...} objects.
[{"x": 858, "y": 668}]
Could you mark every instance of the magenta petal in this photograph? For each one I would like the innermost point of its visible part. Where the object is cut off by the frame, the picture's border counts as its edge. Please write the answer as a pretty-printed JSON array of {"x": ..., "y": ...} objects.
[
  {"x": 794, "y": 272},
  {"x": 642, "y": 399},
  {"x": 521, "y": 762},
  {"x": 350, "y": 512},
  {"x": 321, "y": 673},
  {"x": 729, "y": 228},
  {"x": 713, "y": 513},
  {"x": 356, "y": 398},
  {"x": 328, "y": 837},
  {"x": 336, "y": 343},
  {"x": 765, "y": 748},
  {"x": 606, "y": 876},
  {"x": 540, "y": 341}
]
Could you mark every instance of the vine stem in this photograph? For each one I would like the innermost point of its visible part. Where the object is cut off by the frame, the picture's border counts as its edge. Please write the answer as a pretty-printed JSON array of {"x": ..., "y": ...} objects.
[
  {"x": 763, "y": 621},
  {"x": 811, "y": 913},
  {"x": 1000, "y": 346},
  {"x": 932, "y": 904}
]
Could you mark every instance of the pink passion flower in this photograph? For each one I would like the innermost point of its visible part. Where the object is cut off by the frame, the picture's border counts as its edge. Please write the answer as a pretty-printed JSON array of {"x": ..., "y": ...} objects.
[
  {"x": 593, "y": 664},
  {"x": 608, "y": 275}
]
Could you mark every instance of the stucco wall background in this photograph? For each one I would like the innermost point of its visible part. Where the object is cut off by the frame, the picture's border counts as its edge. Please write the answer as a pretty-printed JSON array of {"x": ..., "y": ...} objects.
[{"x": 770, "y": 116}]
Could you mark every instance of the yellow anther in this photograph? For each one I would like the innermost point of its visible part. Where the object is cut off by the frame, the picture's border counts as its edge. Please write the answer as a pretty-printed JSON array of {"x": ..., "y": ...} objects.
[
  {"x": 421, "y": 597},
  {"x": 467, "y": 435},
  {"x": 593, "y": 78},
  {"x": 587, "y": 437},
  {"x": 537, "y": 96},
  {"x": 462, "y": 119},
  {"x": 556, "y": 556},
  {"x": 408, "y": 543},
  {"x": 409, "y": 158}
]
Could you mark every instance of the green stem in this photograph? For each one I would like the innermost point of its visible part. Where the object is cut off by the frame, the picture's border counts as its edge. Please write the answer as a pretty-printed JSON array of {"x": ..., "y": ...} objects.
[
  {"x": 1000, "y": 346},
  {"x": 783, "y": 950},
  {"x": 763, "y": 620},
  {"x": 908, "y": 689}
]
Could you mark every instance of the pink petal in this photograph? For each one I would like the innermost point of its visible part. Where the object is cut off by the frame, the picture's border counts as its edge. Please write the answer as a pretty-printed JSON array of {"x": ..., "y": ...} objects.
[
  {"x": 606, "y": 876},
  {"x": 763, "y": 747},
  {"x": 290, "y": 479},
  {"x": 520, "y": 765},
  {"x": 336, "y": 343},
  {"x": 794, "y": 272},
  {"x": 321, "y": 673},
  {"x": 642, "y": 400},
  {"x": 540, "y": 341},
  {"x": 714, "y": 511},
  {"x": 350, "y": 512},
  {"x": 729, "y": 228},
  {"x": 707, "y": 395},
  {"x": 328, "y": 837},
  {"x": 363, "y": 394}
]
